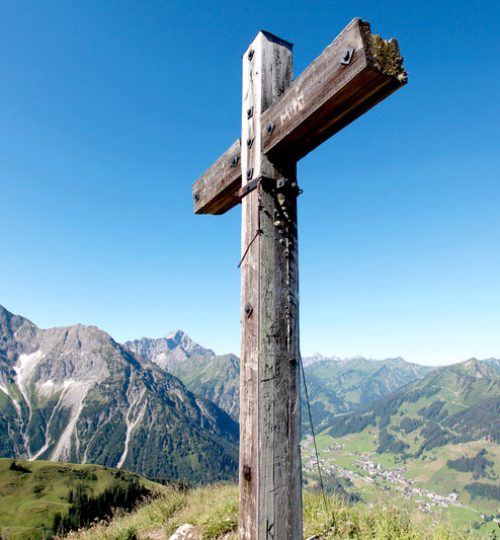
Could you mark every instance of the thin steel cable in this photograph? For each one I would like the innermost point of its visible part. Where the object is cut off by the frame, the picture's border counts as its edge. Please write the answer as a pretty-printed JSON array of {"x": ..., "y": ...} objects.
[
  {"x": 259, "y": 231},
  {"x": 314, "y": 435}
]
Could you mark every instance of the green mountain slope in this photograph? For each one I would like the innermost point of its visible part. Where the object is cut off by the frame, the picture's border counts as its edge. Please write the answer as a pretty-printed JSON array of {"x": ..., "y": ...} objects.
[
  {"x": 435, "y": 442},
  {"x": 216, "y": 378},
  {"x": 339, "y": 386},
  {"x": 453, "y": 404},
  {"x": 35, "y": 497},
  {"x": 335, "y": 385}
]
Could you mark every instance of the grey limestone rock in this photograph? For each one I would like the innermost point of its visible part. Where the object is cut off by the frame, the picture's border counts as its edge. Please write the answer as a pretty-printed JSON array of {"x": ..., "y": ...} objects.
[{"x": 74, "y": 394}]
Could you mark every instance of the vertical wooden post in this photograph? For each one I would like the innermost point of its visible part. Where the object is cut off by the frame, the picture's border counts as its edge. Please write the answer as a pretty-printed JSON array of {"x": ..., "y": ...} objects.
[{"x": 270, "y": 465}]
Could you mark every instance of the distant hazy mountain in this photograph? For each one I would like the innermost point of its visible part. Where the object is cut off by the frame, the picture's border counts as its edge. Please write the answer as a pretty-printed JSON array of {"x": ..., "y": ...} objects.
[
  {"x": 309, "y": 360},
  {"x": 493, "y": 363},
  {"x": 341, "y": 385},
  {"x": 168, "y": 352},
  {"x": 74, "y": 394},
  {"x": 335, "y": 385},
  {"x": 216, "y": 378},
  {"x": 451, "y": 405}
]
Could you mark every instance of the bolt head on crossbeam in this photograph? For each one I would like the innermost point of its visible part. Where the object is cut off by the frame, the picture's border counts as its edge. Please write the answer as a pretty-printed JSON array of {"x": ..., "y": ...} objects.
[{"x": 354, "y": 73}]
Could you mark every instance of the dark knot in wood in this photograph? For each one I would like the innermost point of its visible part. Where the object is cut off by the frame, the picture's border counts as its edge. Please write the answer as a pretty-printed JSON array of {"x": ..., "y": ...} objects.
[{"x": 247, "y": 473}]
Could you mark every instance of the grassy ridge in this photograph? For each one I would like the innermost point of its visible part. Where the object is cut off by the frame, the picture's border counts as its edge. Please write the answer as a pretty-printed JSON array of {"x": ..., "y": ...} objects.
[
  {"x": 214, "y": 510},
  {"x": 32, "y": 493}
]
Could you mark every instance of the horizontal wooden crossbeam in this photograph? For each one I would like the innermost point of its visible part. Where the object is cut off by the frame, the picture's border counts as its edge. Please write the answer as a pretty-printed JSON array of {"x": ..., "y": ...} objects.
[
  {"x": 354, "y": 73},
  {"x": 216, "y": 191}
]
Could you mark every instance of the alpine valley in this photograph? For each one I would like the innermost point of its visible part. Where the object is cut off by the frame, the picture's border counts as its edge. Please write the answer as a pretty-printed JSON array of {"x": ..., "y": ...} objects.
[{"x": 433, "y": 446}]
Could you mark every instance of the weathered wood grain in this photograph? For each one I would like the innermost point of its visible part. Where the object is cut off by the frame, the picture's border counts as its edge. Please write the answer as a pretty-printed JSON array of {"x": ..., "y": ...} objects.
[
  {"x": 270, "y": 470},
  {"x": 281, "y": 122},
  {"x": 216, "y": 191},
  {"x": 249, "y": 366},
  {"x": 324, "y": 99},
  {"x": 331, "y": 94}
]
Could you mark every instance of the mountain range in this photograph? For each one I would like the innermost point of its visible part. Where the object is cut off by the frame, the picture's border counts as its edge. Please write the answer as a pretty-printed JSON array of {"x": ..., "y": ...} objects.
[
  {"x": 74, "y": 394},
  {"x": 168, "y": 407},
  {"x": 450, "y": 405},
  {"x": 335, "y": 385}
]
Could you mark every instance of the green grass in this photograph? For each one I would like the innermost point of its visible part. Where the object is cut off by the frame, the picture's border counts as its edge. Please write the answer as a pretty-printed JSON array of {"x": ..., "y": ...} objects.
[
  {"x": 489, "y": 528},
  {"x": 29, "y": 500},
  {"x": 461, "y": 517},
  {"x": 323, "y": 440},
  {"x": 345, "y": 461},
  {"x": 437, "y": 476},
  {"x": 388, "y": 461},
  {"x": 429, "y": 472},
  {"x": 365, "y": 441},
  {"x": 214, "y": 510}
]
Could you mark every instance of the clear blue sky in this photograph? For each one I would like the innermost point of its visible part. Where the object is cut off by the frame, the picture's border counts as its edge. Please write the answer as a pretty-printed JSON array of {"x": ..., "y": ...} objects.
[{"x": 110, "y": 110}]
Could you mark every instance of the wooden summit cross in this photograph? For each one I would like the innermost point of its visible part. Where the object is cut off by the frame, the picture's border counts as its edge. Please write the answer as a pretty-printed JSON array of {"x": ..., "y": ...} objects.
[{"x": 281, "y": 122}]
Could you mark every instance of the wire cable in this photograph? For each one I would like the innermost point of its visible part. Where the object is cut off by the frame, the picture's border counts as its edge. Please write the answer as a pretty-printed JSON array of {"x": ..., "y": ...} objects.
[{"x": 314, "y": 435}]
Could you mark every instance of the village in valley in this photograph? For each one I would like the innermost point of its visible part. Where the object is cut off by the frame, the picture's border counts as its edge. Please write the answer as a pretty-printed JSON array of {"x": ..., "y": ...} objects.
[{"x": 393, "y": 484}]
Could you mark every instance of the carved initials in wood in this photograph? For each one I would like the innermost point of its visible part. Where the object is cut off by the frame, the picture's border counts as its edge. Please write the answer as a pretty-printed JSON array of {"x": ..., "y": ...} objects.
[{"x": 269, "y": 528}]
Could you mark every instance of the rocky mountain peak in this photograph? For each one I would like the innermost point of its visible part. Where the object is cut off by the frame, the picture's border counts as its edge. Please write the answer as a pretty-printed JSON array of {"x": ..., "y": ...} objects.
[
  {"x": 179, "y": 339},
  {"x": 74, "y": 394},
  {"x": 169, "y": 351},
  {"x": 317, "y": 357},
  {"x": 16, "y": 333},
  {"x": 479, "y": 369},
  {"x": 176, "y": 337}
]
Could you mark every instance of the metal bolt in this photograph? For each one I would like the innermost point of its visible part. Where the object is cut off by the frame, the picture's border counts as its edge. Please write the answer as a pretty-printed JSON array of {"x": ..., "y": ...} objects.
[
  {"x": 270, "y": 128},
  {"x": 250, "y": 142},
  {"x": 249, "y": 174},
  {"x": 196, "y": 197},
  {"x": 234, "y": 161},
  {"x": 250, "y": 112},
  {"x": 248, "y": 309},
  {"x": 347, "y": 56},
  {"x": 250, "y": 54}
]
